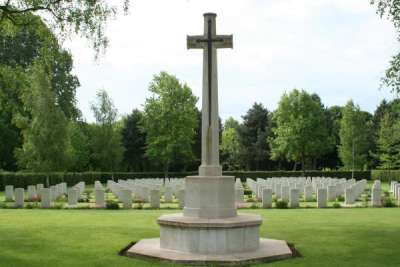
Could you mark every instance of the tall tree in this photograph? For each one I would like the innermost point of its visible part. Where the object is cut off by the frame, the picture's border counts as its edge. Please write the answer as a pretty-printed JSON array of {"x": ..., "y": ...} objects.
[
  {"x": 170, "y": 120},
  {"x": 389, "y": 143},
  {"x": 106, "y": 143},
  {"x": 253, "y": 132},
  {"x": 22, "y": 46},
  {"x": 45, "y": 136},
  {"x": 355, "y": 130},
  {"x": 86, "y": 18},
  {"x": 231, "y": 123},
  {"x": 333, "y": 116},
  {"x": 301, "y": 133},
  {"x": 79, "y": 146},
  {"x": 134, "y": 141}
]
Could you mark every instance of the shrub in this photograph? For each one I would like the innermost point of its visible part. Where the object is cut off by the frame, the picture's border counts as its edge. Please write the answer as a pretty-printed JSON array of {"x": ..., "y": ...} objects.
[
  {"x": 248, "y": 192},
  {"x": 340, "y": 198},
  {"x": 281, "y": 204},
  {"x": 138, "y": 206},
  {"x": 387, "y": 202},
  {"x": 138, "y": 200},
  {"x": 254, "y": 206},
  {"x": 83, "y": 200},
  {"x": 112, "y": 205},
  {"x": 336, "y": 205},
  {"x": 251, "y": 200},
  {"x": 58, "y": 206},
  {"x": 31, "y": 206},
  {"x": 83, "y": 208}
]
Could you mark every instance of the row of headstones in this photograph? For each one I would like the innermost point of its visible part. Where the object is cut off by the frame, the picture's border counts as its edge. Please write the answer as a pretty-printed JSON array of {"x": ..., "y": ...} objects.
[
  {"x": 126, "y": 191},
  {"x": 334, "y": 186},
  {"x": 322, "y": 196},
  {"x": 395, "y": 190},
  {"x": 141, "y": 187},
  {"x": 290, "y": 189},
  {"x": 46, "y": 195}
]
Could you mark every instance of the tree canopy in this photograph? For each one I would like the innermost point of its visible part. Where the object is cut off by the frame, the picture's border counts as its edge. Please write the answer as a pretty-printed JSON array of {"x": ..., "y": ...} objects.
[
  {"x": 170, "y": 120},
  {"x": 86, "y": 18},
  {"x": 134, "y": 141},
  {"x": 301, "y": 133},
  {"x": 253, "y": 133},
  {"x": 391, "y": 9},
  {"x": 105, "y": 142},
  {"x": 355, "y": 130}
]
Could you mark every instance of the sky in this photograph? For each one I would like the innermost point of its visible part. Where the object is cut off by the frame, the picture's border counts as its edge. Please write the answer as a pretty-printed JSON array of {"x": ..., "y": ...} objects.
[{"x": 338, "y": 49}]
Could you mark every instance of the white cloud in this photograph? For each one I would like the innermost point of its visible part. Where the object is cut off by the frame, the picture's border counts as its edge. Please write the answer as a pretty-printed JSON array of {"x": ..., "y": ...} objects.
[{"x": 336, "y": 48}]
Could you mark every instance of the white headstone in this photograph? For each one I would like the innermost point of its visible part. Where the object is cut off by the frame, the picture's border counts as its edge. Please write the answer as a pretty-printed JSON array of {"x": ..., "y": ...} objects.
[
  {"x": 278, "y": 190},
  {"x": 99, "y": 196},
  {"x": 19, "y": 197},
  {"x": 168, "y": 195},
  {"x": 331, "y": 191},
  {"x": 349, "y": 197},
  {"x": 32, "y": 192},
  {"x": 53, "y": 193},
  {"x": 322, "y": 198},
  {"x": 285, "y": 193},
  {"x": 267, "y": 198},
  {"x": 294, "y": 198},
  {"x": 308, "y": 193},
  {"x": 376, "y": 196},
  {"x": 155, "y": 199},
  {"x": 39, "y": 188},
  {"x": 73, "y": 196},
  {"x": 181, "y": 198},
  {"x": 126, "y": 198},
  {"x": 9, "y": 192},
  {"x": 45, "y": 198}
]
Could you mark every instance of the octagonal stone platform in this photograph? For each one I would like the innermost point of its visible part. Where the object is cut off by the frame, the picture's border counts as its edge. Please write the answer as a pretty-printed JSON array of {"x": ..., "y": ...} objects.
[
  {"x": 268, "y": 250},
  {"x": 210, "y": 236},
  {"x": 200, "y": 241}
]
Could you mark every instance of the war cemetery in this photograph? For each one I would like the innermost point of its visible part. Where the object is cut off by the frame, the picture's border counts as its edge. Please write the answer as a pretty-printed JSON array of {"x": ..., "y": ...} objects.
[{"x": 278, "y": 145}]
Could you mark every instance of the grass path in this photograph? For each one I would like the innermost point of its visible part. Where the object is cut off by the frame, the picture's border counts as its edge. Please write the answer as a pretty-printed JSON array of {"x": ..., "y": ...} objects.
[{"x": 325, "y": 237}]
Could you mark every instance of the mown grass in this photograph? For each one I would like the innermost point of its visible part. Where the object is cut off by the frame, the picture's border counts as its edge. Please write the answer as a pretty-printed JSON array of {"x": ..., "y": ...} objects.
[{"x": 324, "y": 237}]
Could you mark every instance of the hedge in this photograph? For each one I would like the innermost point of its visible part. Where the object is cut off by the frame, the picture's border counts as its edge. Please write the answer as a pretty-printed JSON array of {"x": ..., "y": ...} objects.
[
  {"x": 386, "y": 175},
  {"x": 23, "y": 179}
]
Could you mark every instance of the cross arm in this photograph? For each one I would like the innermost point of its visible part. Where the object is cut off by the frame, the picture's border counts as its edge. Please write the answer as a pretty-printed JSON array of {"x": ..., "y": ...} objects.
[
  {"x": 193, "y": 42},
  {"x": 224, "y": 41}
]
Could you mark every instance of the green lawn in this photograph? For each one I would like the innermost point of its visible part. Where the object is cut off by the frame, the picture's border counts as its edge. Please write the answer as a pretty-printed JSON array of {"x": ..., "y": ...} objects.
[{"x": 324, "y": 237}]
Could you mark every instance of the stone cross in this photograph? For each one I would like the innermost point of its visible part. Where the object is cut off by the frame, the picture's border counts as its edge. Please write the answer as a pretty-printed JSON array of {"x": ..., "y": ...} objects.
[{"x": 210, "y": 42}]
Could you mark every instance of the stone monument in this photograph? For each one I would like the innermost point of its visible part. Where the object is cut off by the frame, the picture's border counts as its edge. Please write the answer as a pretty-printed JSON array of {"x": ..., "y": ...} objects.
[{"x": 209, "y": 231}]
